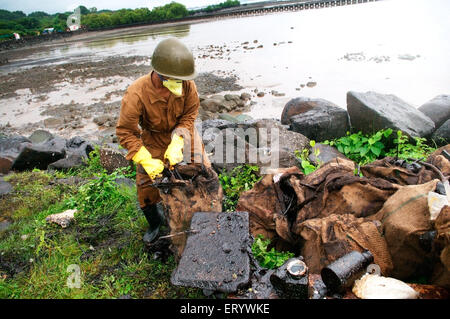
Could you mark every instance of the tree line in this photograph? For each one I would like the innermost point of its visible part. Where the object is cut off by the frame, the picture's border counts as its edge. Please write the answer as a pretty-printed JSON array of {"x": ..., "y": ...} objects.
[{"x": 36, "y": 22}]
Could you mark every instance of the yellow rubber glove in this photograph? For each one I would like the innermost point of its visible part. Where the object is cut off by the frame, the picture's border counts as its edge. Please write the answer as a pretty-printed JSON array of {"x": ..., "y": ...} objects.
[
  {"x": 152, "y": 166},
  {"x": 174, "y": 152}
]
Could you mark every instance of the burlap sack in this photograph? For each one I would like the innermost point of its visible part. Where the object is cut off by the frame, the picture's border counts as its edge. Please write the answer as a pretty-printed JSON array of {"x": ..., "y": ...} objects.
[
  {"x": 441, "y": 162},
  {"x": 441, "y": 273},
  {"x": 334, "y": 189},
  {"x": 266, "y": 204},
  {"x": 385, "y": 169},
  {"x": 405, "y": 217},
  {"x": 331, "y": 237},
  {"x": 201, "y": 192}
]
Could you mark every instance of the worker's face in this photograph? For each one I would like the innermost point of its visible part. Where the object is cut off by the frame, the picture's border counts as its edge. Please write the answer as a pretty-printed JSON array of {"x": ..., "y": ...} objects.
[{"x": 173, "y": 85}]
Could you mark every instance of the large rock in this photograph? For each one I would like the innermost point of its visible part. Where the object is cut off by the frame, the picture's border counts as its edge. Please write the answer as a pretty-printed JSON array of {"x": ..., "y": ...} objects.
[
  {"x": 64, "y": 164},
  {"x": 370, "y": 112},
  {"x": 437, "y": 109},
  {"x": 10, "y": 147},
  {"x": 40, "y": 136},
  {"x": 5, "y": 187},
  {"x": 112, "y": 158},
  {"x": 251, "y": 143},
  {"x": 40, "y": 155},
  {"x": 213, "y": 105},
  {"x": 79, "y": 146},
  {"x": 299, "y": 105},
  {"x": 321, "y": 154},
  {"x": 322, "y": 122},
  {"x": 442, "y": 135}
]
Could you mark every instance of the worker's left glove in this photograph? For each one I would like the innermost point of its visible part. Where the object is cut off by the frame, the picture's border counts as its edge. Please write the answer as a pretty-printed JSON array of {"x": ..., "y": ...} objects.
[{"x": 174, "y": 152}]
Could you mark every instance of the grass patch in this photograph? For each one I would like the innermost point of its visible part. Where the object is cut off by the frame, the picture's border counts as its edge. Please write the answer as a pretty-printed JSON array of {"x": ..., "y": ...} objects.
[{"x": 104, "y": 240}]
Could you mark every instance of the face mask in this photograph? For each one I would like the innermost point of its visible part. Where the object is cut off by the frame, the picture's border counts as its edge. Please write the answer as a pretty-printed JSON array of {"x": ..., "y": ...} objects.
[{"x": 174, "y": 86}]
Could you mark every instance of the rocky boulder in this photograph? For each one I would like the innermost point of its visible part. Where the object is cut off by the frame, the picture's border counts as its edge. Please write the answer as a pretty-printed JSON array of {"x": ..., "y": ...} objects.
[
  {"x": 40, "y": 155},
  {"x": 442, "y": 135},
  {"x": 370, "y": 112},
  {"x": 10, "y": 148},
  {"x": 232, "y": 144},
  {"x": 437, "y": 109},
  {"x": 319, "y": 120},
  {"x": 5, "y": 187},
  {"x": 112, "y": 157},
  {"x": 321, "y": 154},
  {"x": 299, "y": 105},
  {"x": 64, "y": 164},
  {"x": 40, "y": 136},
  {"x": 79, "y": 146}
]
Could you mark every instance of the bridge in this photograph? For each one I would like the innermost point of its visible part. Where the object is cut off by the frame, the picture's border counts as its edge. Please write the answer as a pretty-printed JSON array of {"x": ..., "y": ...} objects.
[{"x": 272, "y": 7}]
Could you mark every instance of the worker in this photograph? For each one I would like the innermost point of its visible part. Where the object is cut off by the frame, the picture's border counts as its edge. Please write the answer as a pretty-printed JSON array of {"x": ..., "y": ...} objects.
[{"x": 156, "y": 122}]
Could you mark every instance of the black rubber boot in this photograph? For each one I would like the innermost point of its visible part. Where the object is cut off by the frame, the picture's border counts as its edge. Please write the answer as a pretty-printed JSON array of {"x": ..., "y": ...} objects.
[{"x": 155, "y": 216}]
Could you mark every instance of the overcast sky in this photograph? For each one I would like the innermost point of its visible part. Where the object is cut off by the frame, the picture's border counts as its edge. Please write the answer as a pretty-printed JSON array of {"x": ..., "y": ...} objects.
[{"x": 53, "y": 6}]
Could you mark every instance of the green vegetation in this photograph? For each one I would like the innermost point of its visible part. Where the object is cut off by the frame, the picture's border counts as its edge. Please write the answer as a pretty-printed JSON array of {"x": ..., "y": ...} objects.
[
  {"x": 405, "y": 150},
  {"x": 35, "y": 22},
  {"x": 236, "y": 181},
  {"x": 222, "y": 5},
  {"x": 305, "y": 165},
  {"x": 104, "y": 240},
  {"x": 268, "y": 258},
  {"x": 364, "y": 149},
  {"x": 96, "y": 20}
]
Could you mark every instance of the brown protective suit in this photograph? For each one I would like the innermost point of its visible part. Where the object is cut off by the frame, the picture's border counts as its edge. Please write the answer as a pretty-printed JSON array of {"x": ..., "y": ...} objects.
[{"x": 158, "y": 118}]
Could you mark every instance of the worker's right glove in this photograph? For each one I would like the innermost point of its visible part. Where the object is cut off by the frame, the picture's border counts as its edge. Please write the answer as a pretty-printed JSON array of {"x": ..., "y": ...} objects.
[{"x": 152, "y": 166}]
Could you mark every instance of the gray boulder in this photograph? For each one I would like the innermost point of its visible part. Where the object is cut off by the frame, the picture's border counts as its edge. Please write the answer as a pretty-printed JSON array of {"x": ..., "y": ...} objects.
[
  {"x": 442, "y": 135},
  {"x": 5, "y": 187},
  {"x": 10, "y": 148},
  {"x": 322, "y": 122},
  {"x": 211, "y": 105},
  {"x": 64, "y": 164},
  {"x": 299, "y": 105},
  {"x": 251, "y": 143},
  {"x": 437, "y": 109},
  {"x": 79, "y": 146},
  {"x": 112, "y": 158},
  {"x": 325, "y": 154},
  {"x": 40, "y": 136},
  {"x": 370, "y": 112},
  {"x": 40, "y": 155}
]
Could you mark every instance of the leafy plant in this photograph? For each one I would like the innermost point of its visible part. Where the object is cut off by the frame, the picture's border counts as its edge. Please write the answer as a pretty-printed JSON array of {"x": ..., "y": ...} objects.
[
  {"x": 361, "y": 148},
  {"x": 306, "y": 166},
  {"x": 95, "y": 193},
  {"x": 268, "y": 258},
  {"x": 405, "y": 150},
  {"x": 238, "y": 180}
]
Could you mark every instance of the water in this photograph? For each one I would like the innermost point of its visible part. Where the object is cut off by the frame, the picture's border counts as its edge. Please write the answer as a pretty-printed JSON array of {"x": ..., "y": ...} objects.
[{"x": 396, "y": 47}]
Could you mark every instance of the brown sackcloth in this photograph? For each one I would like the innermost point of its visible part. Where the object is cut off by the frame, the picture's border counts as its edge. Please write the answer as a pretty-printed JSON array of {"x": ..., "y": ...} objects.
[
  {"x": 405, "y": 216},
  {"x": 334, "y": 189},
  {"x": 198, "y": 191},
  {"x": 385, "y": 169},
  {"x": 438, "y": 160},
  {"x": 267, "y": 205},
  {"x": 331, "y": 237},
  {"x": 441, "y": 274}
]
